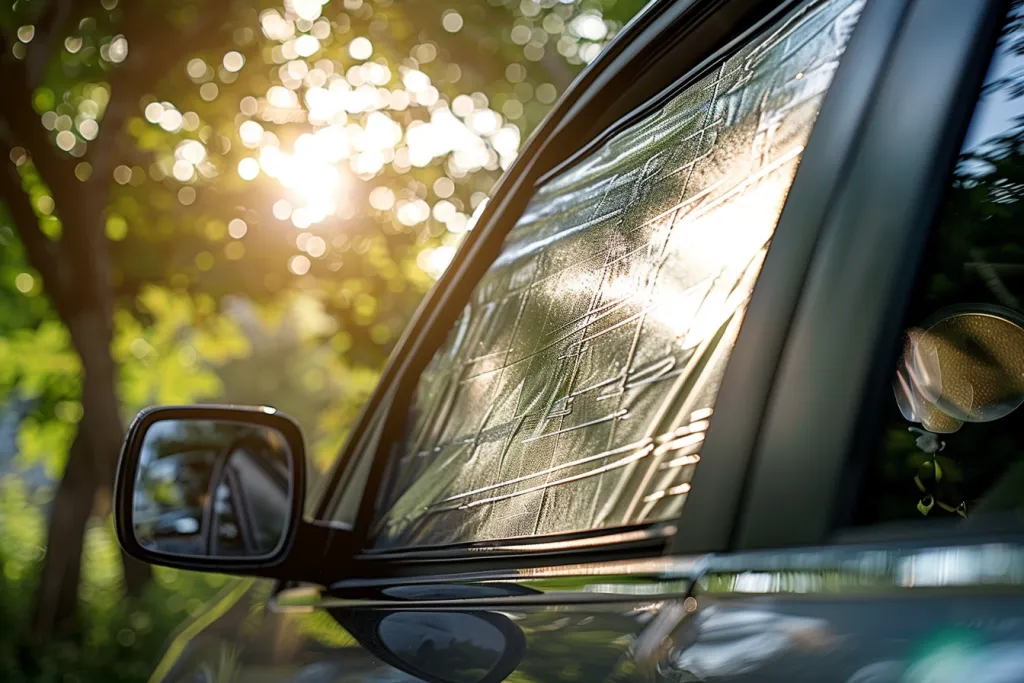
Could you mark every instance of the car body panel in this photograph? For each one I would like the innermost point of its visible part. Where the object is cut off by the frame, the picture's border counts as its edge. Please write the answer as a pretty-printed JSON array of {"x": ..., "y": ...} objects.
[
  {"x": 875, "y": 613},
  {"x": 579, "y": 623}
]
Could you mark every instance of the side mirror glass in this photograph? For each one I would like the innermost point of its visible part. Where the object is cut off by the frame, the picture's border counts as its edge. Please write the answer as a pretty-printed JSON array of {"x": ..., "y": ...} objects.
[{"x": 214, "y": 488}]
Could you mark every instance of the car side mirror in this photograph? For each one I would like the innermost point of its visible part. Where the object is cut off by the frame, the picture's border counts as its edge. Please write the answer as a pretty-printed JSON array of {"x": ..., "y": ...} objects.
[
  {"x": 964, "y": 364},
  {"x": 215, "y": 488}
]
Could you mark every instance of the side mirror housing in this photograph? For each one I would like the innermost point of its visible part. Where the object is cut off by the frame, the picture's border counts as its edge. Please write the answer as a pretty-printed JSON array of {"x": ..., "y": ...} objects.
[{"x": 217, "y": 489}]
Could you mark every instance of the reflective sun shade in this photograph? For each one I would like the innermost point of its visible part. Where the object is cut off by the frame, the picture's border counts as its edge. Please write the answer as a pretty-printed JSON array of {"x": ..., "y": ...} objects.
[{"x": 575, "y": 390}]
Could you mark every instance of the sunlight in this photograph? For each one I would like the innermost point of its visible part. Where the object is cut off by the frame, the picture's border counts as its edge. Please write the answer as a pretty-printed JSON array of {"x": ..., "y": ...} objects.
[
  {"x": 477, "y": 138},
  {"x": 313, "y": 181},
  {"x": 350, "y": 113}
]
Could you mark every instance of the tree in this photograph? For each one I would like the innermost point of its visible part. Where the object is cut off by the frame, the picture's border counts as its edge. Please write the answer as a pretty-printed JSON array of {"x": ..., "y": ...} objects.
[
  {"x": 73, "y": 260},
  {"x": 210, "y": 150}
]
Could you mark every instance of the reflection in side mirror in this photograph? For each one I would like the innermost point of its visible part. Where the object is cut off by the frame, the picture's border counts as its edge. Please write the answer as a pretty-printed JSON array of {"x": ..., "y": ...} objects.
[
  {"x": 452, "y": 647},
  {"x": 214, "y": 489},
  {"x": 208, "y": 484},
  {"x": 965, "y": 365}
]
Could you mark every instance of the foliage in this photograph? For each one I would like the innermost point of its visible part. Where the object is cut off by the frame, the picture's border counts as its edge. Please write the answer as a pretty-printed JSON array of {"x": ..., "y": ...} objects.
[
  {"x": 120, "y": 641},
  {"x": 171, "y": 358},
  {"x": 131, "y": 635}
]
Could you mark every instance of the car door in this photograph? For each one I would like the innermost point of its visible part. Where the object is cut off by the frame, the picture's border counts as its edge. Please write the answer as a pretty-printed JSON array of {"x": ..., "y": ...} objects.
[
  {"x": 881, "y": 537},
  {"x": 550, "y": 458}
]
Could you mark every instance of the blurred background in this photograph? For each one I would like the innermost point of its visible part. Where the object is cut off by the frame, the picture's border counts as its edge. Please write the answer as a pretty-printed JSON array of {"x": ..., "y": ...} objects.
[{"x": 223, "y": 201}]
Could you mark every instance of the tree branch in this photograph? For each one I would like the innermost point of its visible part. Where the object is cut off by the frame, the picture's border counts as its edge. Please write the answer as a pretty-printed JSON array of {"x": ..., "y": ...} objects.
[
  {"x": 149, "y": 58},
  {"x": 154, "y": 46},
  {"x": 41, "y": 252},
  {"x": 22, "y": 126},
  {"x": 80, "y": 205},
  {"x": 23, "y": 123},
  {"x": 51, "y": 28}
]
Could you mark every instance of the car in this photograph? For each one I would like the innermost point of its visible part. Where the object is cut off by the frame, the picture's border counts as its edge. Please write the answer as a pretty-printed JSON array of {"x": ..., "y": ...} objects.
[{"x": 723, "y": 386}]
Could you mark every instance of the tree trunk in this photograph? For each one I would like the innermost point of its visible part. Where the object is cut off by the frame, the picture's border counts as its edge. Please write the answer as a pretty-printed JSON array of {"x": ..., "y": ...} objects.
[
  {"x": 92, "y": 333},
  {"x": 76, "y": 268},
  {"x": 57, "y": 595},
  {"x": 90, "y": 472}
]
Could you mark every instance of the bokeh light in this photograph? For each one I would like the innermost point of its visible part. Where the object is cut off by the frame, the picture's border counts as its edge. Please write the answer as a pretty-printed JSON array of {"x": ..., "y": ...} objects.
[{"x": 248, "y": 168}]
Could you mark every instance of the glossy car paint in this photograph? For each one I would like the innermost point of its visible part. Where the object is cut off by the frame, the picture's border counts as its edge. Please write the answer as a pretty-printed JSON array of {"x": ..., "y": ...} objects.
[{"x": 844, "y": 614}]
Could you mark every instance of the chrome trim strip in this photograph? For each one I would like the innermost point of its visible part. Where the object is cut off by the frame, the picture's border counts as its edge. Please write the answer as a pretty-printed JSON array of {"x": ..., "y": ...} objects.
[
  {"x": 461, "y": 604},
  {"x": 879, "y": 569},
  {"x": 832, "y": 571},
  {"x": 646, "y": 534},
  {"x": 603, "y": 582}
]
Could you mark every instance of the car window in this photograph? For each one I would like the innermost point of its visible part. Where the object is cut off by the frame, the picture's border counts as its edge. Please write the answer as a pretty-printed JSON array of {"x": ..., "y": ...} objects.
[
  {"x": 574, "y": 391},
  {"x": 952, "y": 440},
  {"x": 253, "y": 491}
]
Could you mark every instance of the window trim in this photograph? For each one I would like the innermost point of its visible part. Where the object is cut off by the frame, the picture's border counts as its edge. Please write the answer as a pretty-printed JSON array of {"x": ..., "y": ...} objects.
[
  {"x": 653, "y": 534},
  {"x": 947, "y": 530},
  {"x": 492, "y": 229},
  {"x": 830, "y": 384}
]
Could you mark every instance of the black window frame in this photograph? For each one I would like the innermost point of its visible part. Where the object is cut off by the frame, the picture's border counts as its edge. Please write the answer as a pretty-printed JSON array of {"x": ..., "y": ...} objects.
[
  {"x": 673, "y": 42},
  {"x": 824, "y": 414}
]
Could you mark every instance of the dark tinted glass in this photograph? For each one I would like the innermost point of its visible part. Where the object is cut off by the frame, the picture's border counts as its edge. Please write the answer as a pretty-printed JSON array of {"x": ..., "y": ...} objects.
[
  {"x": 953, "y": 438},
  {"x": 575, "y": 390}
]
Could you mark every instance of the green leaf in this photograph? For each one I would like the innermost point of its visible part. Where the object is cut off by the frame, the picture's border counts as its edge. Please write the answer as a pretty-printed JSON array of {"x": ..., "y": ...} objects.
[
  {"x": 117, "y": 227},
  {"x": 44, "y": 443}
]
